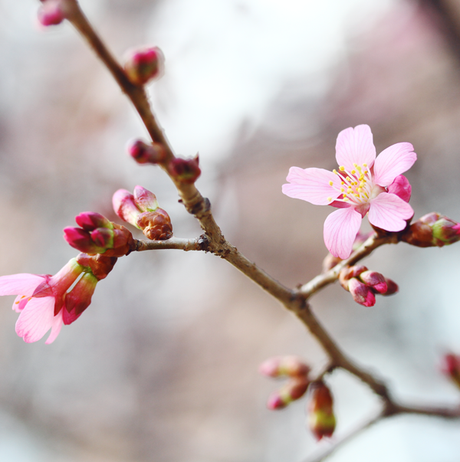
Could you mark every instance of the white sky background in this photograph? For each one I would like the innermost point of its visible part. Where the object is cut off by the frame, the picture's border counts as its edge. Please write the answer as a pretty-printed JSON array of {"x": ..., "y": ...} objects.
[{"x": 227, "y": 59}]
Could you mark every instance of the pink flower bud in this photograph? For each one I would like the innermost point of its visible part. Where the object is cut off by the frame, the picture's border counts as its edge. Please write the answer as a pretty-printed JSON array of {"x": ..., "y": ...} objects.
[
  {"x": 392, "y": 287},
  {"x": 50, "y": 13},
  {"x": 155, "y": 223},
  {"x": 279, "y": 366},
  {"x": 92, "y": 220},
  {"x": 145, "y": 200},
  {"x": 361, "y": 293},
  {"x": 144, "y": 64},
  {"x": 111, "y": 239},
  {"x": 291, "y": 391},
  {"x": 184, "y": 170},
  {"x": 102, "y": 237},
  {"x": 144, "y": 153},
  {"x": 321, "y": 418},
  {"x": 125, "y": 206},
  {"x": 79, "y": 298},
  {"x": 375, "y": 280},
  {"x": 80, "y": 239}
]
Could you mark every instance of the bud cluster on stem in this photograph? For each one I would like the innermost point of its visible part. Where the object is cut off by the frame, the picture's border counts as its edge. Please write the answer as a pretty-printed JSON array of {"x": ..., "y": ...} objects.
[
  {"x": 141, "y": 210},
  {"x": 297, "y": 373},
  {"x": 99, "y": 235},
  {"x": 364, "y": 284},
  {"x": 432, "y": 230}
]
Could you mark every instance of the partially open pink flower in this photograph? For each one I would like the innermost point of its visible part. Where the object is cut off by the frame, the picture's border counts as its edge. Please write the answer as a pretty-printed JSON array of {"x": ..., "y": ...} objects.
[
  {"x": 362, "y": 184},
  {"x": 46, "y": 302}
]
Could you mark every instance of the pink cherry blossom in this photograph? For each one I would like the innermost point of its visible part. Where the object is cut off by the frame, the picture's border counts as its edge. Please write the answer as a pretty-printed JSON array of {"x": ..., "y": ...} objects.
[
  {"x": 362, "y": 184},
  {"x": 45, "y": 302}
]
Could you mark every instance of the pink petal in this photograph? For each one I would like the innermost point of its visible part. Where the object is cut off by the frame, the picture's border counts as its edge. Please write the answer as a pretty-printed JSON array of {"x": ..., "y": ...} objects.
[
  {"x": 20, "y": 284},
  {"x": 55, "y": 328},
  {"x": 389, "y": 212},
  {"x": 36, "y": 319},
  {"x": 392, "y": 162},
  {"x": 401, "y": 187},
  {"x": 312, "y": 185},
  {"x": 355, "y": 146},
  {"x": 340, "y": 230}
]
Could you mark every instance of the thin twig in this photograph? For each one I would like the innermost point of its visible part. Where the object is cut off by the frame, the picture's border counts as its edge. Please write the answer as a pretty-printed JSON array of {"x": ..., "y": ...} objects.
[
  {"x": 322, "y": 280},
  {"x": 173, "y": 243},
  {"x": 337, "y": 442}
]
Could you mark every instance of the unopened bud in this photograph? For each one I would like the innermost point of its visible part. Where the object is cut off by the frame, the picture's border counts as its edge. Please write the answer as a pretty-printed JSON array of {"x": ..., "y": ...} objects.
[
  {"x": 291, "y": 391},
  {"x": 125, "y": 207},
  {"x": 185, "y": 170},
  {"x": 392, "y": 287},
  {"x": 451, "y": 367},
  {"x": 144, "y": 153},
  {"x": 99, "y": 235},
  {"x": 321, "y": 418},
  {"x": 144, "y": 64},
  {"x": 145, "y": 200},
  {"x": 79, "y": 298},
  {"x": 280, "y": 366},
  {"x": 374, "y": 280},
  {"x": 432, "y": 230},
  {"x": 361, "y": 293},
  {"x": 141, "y": 210},
  {"x": 50, "y": 13}
]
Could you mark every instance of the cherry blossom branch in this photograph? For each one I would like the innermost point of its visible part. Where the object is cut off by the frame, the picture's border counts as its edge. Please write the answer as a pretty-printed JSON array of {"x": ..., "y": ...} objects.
[
  {"x": 214, "y": 241},
  {"x": 322, "y": 280}
]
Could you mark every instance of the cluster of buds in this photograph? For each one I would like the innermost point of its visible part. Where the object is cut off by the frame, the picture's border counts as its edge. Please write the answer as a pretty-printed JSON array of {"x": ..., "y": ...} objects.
[
  {"x": 321, "y": 418},
  {"x": 98, "y": 235},
  {"x": 185, "y": 170},
  {"x": 290, "y": 367},
  {"x": 51, "y": 13},
  {"x": 144, "y": 64},
  {"x": 141, "y": 210},
  {"x": 144, "y": 153},
  {"x": 364, "y": 284},
  {"x": 451, "y": 367},
  {"x": 432, "y": 230}
]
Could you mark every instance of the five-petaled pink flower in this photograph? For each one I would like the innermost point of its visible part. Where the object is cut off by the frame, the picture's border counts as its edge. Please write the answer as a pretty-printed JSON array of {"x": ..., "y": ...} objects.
[
  {"x": 362, "y": 184},
  {"x": 47, "y": 302}
]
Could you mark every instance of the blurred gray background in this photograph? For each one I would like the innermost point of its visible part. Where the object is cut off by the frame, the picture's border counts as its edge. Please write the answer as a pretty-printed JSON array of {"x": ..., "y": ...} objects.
[{"x": 163, "y": 365}]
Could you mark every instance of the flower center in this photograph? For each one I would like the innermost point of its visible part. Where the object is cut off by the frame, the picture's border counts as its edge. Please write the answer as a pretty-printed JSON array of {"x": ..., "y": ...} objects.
[{"x": 355, "y": 186}]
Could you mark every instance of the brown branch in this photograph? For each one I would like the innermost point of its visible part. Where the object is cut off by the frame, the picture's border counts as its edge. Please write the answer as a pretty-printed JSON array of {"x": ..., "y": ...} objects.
[{"x": 173, "y": 243}]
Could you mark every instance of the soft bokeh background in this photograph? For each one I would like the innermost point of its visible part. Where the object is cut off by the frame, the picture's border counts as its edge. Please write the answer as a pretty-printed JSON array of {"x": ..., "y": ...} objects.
[{"x": 163, "y": 365}]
